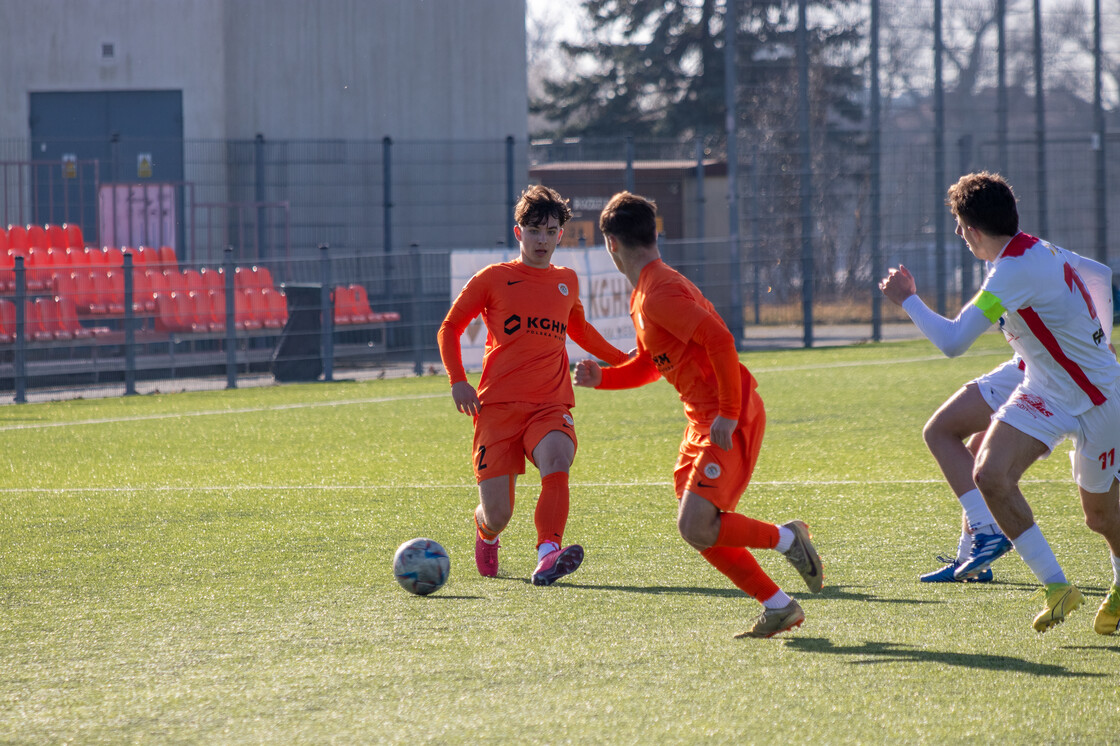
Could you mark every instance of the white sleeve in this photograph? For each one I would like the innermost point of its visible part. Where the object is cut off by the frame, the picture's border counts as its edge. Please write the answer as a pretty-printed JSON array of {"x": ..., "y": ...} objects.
[
  {"x": 1098, "y": 281},
  {"x": 953, "y": 336}
]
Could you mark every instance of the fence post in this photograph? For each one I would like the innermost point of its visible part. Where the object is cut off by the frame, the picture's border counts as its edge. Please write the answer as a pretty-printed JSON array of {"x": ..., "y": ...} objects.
[
  {"x": 806, "y": 171},
  {"x": 326, "y": 303},
  {"x": 875, "y": 195},
  {"x": 129, "y": 330},
  {"x": 20, "y": 360},
  {"x": 260, "y": 194},
  {"x": 511, "y": 198},
  {"x": 630, "y": 163},
  {"x": 228, "y": 269},
  {"x": 417, "y": 312}
]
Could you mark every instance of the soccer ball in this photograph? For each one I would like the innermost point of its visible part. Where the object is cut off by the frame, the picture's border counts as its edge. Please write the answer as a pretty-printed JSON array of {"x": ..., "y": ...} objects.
[{"x": 421, "y": 566}]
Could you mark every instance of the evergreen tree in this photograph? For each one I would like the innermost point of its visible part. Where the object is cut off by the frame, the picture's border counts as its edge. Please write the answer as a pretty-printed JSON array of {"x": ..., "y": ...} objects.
[{"x": 656, "y": 68}]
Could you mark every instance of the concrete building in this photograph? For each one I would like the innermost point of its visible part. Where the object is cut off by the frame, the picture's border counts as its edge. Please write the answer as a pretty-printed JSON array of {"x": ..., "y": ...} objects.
[{"x": 178, "y": 104}]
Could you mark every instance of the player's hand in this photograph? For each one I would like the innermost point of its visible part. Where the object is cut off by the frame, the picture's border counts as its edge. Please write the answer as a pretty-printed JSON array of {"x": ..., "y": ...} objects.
[
  {"x": 588, "y": 374},
  {"x": 466, "y": 398},
  {"x": 898, "y": 285},
  {"x": 721, "y": 431}
]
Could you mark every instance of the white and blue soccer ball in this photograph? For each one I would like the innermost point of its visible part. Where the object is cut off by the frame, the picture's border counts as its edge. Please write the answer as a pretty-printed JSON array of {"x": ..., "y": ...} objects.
[{"x": 421, "y": 566}]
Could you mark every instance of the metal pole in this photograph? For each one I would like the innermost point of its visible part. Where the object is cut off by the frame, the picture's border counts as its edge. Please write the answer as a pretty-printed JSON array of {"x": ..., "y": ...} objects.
[
  {"x": 876, "y": 184},
  {"x": 1040, "y": 122},
  {"x": 228, "y": 270},
  {"x": 1098, "y": 117},
  {"x": 1002, "y": 159},
  {"x": 806, "y": 190},
  {"x": 129, "y": 328},
  {"x": 967, "y": 260},
  {"x": 630, "y": 163},
  {"x": 756, "y": 236},
  {"x": 731, "y": 97},
  {"x": 417, "y": 304},
  {"x": 387, "y": 196},
  {"x": 261, "y": 194},
  {"x": 511, "y": 198},
  {"x": 939, "y": 159},
  {"x": 326, "y": 303},
  {"x": 700, "y": 188},
  {"x": 20, "y": 352}
]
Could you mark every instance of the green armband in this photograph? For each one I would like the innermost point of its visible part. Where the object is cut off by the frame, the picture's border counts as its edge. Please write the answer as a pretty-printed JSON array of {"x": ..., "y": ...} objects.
[{"x": 989, "y": 305}]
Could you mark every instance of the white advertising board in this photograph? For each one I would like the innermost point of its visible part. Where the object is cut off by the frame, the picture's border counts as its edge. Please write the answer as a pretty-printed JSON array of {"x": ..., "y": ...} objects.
[{"x": 604, "y": 292}]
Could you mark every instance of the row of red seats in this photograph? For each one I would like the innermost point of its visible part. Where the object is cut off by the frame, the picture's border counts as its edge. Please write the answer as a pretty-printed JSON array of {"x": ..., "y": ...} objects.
[
  {"x": 99, "y": 293},
  {"x": 53, "y": 318},
  {"x": 351, "y": 306},
  {"x": 192, "y": 311},
  {"x": 45, "y": 265},
  {"x": 65, "y": 236}
]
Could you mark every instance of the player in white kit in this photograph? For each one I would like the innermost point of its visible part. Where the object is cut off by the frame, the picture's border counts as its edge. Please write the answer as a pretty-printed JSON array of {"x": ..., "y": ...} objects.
[{"x": 1071, "y": 386}]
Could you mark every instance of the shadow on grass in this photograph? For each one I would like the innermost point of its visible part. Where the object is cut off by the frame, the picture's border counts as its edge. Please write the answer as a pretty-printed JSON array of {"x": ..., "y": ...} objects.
[
  {"x": 890, "y": 652},
  {"x": 841, "y": 593}
]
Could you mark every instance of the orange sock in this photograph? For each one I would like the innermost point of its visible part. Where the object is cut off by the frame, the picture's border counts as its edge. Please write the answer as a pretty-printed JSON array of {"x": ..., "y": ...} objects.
[
  {"x": 552, "y": 508},
  {"x": 742, "y": 569},
  {"x": 737, "y": 530}
]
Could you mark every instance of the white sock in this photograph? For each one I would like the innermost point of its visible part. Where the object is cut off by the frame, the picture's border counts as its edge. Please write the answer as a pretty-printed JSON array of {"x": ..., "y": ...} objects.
[
  {"x": 778, "y": 601},
  {"x": 1035, "y": 551},
  {"x": 1115, "y": 570},
  {"x": 976, "y": 510},
  {"x": 785, "y": 541},
  {"x": 964, "y": 546},
  {"x": 546, "y": 548},
  {"x": 490, "y": 541}
]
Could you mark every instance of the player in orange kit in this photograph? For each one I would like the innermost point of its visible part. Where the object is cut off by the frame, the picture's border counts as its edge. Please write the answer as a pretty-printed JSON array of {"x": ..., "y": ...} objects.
[
  {"x": 681, "y": 337},
  {"x": 522, "y": 407}
]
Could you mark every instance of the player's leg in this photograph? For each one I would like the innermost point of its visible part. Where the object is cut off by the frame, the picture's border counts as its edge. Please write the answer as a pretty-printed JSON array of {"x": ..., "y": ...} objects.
[
  {"x": 1102, "y": 514},
  {"x": 1094, "y": 470},
  {"x": 951, "y": 436},
  {"x": 553, "y": 453},
  {"x": 1004, "y": 456},
  {"x": 497, "y": 461},
  {"x": 495, "y": 508}
]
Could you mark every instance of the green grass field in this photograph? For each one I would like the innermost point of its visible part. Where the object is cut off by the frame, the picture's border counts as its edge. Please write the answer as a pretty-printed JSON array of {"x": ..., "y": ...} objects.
[{"x": 215, "y": 568}]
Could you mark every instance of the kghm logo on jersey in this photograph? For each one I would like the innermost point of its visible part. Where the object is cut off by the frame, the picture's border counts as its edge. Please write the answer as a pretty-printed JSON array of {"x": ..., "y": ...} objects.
[{"x": 535, "y": 325}]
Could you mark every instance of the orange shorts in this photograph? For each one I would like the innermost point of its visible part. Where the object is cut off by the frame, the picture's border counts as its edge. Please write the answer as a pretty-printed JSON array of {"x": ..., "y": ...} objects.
[
  {"x": 506, "y": 434},
  {"x": 719, "y": 476}
]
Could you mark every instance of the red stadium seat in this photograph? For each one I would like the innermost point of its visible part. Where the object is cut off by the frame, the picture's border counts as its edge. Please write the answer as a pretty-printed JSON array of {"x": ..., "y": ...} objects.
[
  {"x": 17, "y": 238},
  {"x": 7, "y": 322},
  {"x": 56, "y": 236},
  {"x": 167, "y": 258},
  {"x": 244, "y": 311},
  {"x": 36, "y": 237},
  {"x": 74, "y": 238}
]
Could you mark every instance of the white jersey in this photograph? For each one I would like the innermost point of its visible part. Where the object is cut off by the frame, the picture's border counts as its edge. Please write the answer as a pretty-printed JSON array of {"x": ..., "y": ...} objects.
[{"x": 1047, "y": 314}]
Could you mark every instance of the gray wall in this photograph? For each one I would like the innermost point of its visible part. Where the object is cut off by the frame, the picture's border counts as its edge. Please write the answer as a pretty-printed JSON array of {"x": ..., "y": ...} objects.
[{"x": 423, "y": 72}]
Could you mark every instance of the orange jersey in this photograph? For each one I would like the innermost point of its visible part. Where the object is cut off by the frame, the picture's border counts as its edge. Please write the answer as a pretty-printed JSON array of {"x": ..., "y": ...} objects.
[
  {"x": 529, "y": 314},
  {"x": 667, "y": 309}
]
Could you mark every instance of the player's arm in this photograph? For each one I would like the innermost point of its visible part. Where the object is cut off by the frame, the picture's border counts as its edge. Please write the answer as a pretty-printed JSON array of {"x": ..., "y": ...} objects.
[
  {"x": 1098, "y": 283},
  {"x": 636, "y": 371},
  {"x": 951, "y": 336},
  {"x": 584, "y": 334},
  {"x": 463, "y": 311}
]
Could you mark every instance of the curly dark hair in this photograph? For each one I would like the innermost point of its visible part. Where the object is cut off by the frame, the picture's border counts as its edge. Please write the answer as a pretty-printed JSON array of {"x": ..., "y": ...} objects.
[
  {"x": 538, "y": 203},
  {"x": 985, "y": 201}
]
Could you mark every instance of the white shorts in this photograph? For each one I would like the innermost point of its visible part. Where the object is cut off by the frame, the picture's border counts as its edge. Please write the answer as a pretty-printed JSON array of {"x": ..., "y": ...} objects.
[
  {"x": 1095, "y": 433},
  {"x": 998, "y": 385}
]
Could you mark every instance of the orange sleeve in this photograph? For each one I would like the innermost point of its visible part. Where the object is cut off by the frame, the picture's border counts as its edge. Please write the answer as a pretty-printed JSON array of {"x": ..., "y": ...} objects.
[
  {"x": 636, "y": 371},
  {"x": 584, "y": 334},
  {"x": 718, "y": 342},
  {"x": 463, "y": 311}
]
